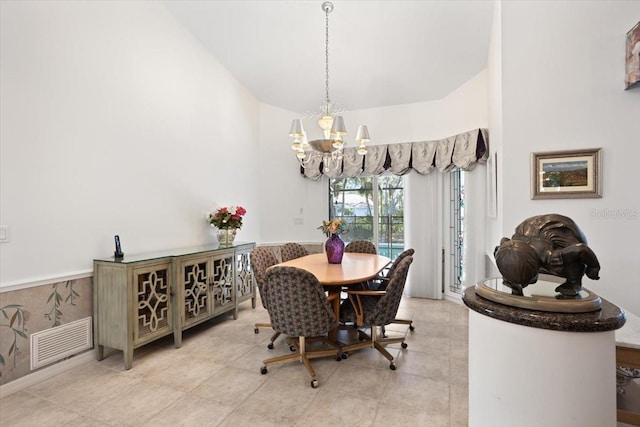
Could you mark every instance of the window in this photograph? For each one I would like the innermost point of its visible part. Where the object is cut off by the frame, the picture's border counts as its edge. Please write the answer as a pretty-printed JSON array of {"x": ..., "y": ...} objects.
[
  {"x": 455, "y": 245},
  {"x": 365, "y": 201}
]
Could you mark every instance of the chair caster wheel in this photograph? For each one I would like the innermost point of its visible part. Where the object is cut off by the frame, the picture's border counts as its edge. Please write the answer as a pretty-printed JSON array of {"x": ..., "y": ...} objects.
[
  {"x": 263, "y": 370},
  {"x": 256, "y": 330},
  {"x": 392, "y": 367},
  {"x": 412, "y": 328},
  {"x": 292, "y": 348},
  {"x": 404, "y": 345},
  {"x": 270, "y": 346},
  {"x": 314, "y": 383},
  {"x": 344, "y": 355}
]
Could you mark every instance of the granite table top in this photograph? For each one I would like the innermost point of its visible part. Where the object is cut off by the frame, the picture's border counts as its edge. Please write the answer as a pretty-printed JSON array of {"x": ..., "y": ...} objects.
[
  {"x": 609, "y": 317},
  {"x": 629, "y": 334}
]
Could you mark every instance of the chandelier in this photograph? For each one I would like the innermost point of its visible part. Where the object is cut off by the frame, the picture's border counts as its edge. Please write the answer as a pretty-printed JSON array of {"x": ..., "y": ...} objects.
[{"x": 329, "y": 119}]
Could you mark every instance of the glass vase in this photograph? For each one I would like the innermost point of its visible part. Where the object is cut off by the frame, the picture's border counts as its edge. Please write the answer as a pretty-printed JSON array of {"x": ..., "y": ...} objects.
[
  {"x": 334, "y": 247},
  {"x": 226, "y": 236}
]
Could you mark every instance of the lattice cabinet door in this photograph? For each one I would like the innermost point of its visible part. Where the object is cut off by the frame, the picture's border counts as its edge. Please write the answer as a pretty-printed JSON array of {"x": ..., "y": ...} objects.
[
  {"x": 223, "y": 291},
  {"x": 152, "y": 296},
  {"x": 244, "y": 276},
  {"x": 194, "y": 281}
]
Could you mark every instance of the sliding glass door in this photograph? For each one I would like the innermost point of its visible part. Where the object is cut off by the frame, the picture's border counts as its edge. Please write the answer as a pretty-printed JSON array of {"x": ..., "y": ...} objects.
[{"x": 374, "y": 209}]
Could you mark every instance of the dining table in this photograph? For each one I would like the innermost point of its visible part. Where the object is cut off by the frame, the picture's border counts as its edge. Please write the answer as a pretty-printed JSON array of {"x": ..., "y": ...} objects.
[{"x": 355, "y": 268}]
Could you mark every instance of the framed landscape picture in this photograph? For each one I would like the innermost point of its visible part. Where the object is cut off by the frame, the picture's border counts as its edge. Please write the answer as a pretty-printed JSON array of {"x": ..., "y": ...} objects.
[
  {"x": 566, "y": 174},
  {"x": 632, "y": 58}
]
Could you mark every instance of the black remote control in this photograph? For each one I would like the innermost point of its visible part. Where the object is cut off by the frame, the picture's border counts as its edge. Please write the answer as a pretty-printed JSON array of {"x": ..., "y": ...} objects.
[{"x": 118, "y": 253}]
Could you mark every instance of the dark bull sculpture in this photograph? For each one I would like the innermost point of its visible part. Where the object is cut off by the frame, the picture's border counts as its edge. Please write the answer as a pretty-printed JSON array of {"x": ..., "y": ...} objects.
[{"x": 551, "y": 244}]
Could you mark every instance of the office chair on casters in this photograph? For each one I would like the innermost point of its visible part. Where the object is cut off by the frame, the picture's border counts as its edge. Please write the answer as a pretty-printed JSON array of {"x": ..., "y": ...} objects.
[
  {"x": 261, "y": 260},
  {"x": 298, "y": 308},
  {"x": 373, "y": 309},
  {"x": 292, "y": 250},
  {"x": 361, "y": 246},
  {"x": 380, "y": 283}
]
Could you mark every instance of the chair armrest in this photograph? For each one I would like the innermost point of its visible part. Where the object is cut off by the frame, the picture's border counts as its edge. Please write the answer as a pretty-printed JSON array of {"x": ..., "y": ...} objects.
[
  {"x": 356, "y": 302},
  {"x": 333, "y": 297},
  {"x": 367, "y": 292},
  {"x": 378, "y": 282}
]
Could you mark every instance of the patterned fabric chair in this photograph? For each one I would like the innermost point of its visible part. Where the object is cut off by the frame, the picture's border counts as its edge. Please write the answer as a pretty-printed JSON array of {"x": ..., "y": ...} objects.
[
  {"x": 361, "y": 246},
  {"x": 261, "y": 259},
  {"x": 380, "y": 284},
  {"x": 292, "y": 250},
  {"x": 299, "y": 308},
  {"x": 373, "y": 309}
]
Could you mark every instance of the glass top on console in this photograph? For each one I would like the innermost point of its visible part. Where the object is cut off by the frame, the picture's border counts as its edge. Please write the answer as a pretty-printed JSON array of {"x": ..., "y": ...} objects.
[
  {"x": 539, "y": 296},
  {"x": 130, "y": 258}
]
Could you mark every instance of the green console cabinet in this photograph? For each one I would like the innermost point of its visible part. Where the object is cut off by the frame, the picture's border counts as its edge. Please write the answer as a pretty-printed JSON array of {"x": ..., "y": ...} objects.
[{"x": 140, "y": 298}]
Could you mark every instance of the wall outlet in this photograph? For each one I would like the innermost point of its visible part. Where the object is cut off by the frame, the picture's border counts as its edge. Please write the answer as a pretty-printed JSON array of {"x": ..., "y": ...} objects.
[{"x": 4, "y": 234}]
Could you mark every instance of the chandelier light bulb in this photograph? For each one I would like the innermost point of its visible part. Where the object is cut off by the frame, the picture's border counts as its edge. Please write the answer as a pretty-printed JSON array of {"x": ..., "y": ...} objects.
[{"x": 325, "y": 122}]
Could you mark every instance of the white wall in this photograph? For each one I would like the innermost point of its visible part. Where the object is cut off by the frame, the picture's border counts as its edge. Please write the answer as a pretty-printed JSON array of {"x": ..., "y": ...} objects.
[
  {"x": 114, "y": 120},
  {"x": 285, "y": 196},
  {"x": 563, "y": 88}
]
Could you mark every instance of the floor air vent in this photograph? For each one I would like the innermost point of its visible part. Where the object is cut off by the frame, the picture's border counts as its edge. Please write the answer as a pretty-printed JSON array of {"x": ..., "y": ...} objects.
[{"x": 54, "y": 344}]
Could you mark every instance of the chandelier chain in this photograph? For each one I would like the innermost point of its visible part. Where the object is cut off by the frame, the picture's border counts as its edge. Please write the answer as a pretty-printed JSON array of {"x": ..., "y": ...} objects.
[{"x": 326, "y": 62}]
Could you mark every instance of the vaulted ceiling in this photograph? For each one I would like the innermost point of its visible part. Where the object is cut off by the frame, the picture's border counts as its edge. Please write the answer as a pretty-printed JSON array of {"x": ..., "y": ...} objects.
[{"x": 381, "y": 53}]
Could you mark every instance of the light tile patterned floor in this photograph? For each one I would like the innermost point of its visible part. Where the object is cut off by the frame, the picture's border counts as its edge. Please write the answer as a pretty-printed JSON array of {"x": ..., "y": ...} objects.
[{"x": 214, "y": 380}]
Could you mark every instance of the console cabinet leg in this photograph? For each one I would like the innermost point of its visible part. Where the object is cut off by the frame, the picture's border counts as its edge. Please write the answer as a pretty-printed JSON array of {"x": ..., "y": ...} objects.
[
  {"x": 99, "y": 352},
  {"x": 177, "y": 338},
  {"x": 128, "y": 358}
]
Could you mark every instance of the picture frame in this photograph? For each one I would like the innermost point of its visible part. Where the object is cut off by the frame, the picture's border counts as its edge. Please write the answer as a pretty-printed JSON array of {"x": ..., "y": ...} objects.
[
  {"x": 573, "y": 174},
  {"x": 632, "y": 58}
]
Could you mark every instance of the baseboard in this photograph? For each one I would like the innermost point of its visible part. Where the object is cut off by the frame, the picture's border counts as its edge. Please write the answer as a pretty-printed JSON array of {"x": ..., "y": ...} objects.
[
  {"x": 46, "y": 373},
  {"x": 451, "y": 298}
]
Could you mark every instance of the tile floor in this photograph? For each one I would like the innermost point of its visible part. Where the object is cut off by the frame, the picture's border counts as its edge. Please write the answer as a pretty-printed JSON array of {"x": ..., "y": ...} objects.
[{"x": 214, "y": 380}]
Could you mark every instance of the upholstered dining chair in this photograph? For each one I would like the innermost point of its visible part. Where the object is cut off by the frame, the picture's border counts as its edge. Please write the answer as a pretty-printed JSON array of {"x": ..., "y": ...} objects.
[
  {"x": 372, "y": 309},
  {"x": 361, "y": 246},
  {"x": 261, "y": 259},
  {"x": 298, "y": 308},
  {"x": 380, "y": 284},
  {"x": 292, "y": 250}
]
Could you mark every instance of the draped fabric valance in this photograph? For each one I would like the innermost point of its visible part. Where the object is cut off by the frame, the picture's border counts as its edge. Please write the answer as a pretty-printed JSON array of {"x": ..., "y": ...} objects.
[{"x": 462, "y": 151}]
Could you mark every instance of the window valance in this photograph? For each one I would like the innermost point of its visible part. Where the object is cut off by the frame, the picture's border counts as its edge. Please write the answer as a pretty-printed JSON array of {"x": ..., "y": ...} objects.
[{"x": 462, "y": 151}]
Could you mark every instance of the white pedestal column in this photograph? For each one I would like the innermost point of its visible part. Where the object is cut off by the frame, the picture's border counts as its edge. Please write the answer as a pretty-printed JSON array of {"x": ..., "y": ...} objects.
[{"x": 524, "y": 376}]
